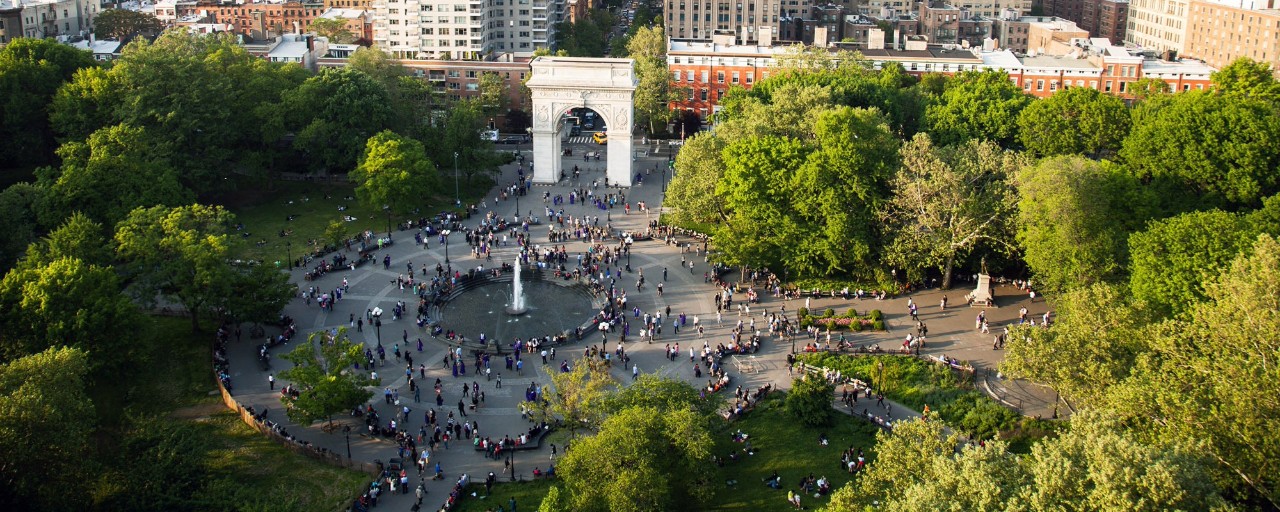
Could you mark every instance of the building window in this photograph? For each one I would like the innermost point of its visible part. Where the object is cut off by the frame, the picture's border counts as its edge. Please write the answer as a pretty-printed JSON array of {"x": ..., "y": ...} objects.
[
  {"x": 719, "y": 77},
  {"x": 735, "y": 77},
  {"x": 1107, "y": 88}
]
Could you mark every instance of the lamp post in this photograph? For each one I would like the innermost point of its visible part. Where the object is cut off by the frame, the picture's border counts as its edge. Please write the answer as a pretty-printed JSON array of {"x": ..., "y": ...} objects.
[
  {"x": 387, "y": 208},
  {"x": 446, "y": 250},
  {"x": 346, "y": 430},
  {"x": 288, "y": 254},
  {"x": 457, "y": 197},
  {"x": 377, "y": 323},
  {"x": 881, "y": 367}
]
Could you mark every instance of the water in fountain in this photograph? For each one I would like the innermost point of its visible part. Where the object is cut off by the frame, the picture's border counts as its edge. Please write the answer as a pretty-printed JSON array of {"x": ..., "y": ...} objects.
[{"x": 517, "y": 293}]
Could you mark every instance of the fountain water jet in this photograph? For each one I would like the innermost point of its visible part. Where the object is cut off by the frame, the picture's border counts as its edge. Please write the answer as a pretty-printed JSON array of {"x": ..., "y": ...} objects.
[{"x": 517, "y": 306}]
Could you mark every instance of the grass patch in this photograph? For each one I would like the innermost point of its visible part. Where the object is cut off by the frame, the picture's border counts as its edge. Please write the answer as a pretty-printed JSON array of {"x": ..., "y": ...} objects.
[
  {"x": 528, "y": 495},
  {"x": 264, "y": 210},
  {"x": 165, "y": 415},
  {"x": 247, "y": 467},
  {"x": 916, "y": 383},
  {"x": 790, "y": 448},
  {"x": 781, "y": 444}
]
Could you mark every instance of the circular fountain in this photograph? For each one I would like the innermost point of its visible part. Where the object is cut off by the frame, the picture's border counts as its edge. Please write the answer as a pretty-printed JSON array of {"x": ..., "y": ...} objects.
[{"x": 505, "y": 311}]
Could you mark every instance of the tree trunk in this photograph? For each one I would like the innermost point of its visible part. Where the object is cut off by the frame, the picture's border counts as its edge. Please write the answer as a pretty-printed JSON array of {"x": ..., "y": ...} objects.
[
  {"x": 946, "y": 271},
  {"x": 195, "y": 322}
]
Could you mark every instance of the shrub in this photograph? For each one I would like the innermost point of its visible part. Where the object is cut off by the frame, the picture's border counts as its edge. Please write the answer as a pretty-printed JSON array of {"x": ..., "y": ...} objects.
[
  {"x": 802, "y": 312},
  {"x": 829, "y": 323},
  {"x": 856, "y": 326},
  {"x": 810, "y": 401},
  {"x": 877, "y": 325},
  {"x": 876, "y": 315},
  {"x": 828, "y": 313},
  {"x": 852, "y": 313}
]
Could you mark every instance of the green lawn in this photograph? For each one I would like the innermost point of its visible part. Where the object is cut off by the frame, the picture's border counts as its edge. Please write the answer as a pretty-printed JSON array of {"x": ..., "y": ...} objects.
[
  {"x": 245, "y": 469},
  {"x": 792, "y": 450},
  {"x": 264, "y": 210},
  {"x": 780, "y": 444},
  {"x": 528, "y": 496},
  {"x": 251, "y": 468}
]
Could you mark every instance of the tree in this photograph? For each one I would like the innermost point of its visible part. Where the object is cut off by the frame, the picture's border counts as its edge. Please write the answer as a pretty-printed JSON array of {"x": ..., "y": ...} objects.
[
  {"x": 653, "y": 94},
  {"x": 809, "y": 401},
  {"x": 67, "y": 302},
  {"x": 1097, "y": 467},
  {"x": 124, "y": 24},
  {"x": 1096, "y": 338},
  {"x": 1077, "y": 120},
  {"x": 459, "y": 133},
  {"x": 45, "y": 421},
  {"x": 1247, "y": 78},
  {"x": 18, "y": 221},
  {"x": 118, "y": 169},
  {"x": 335, "y": 112},
  {"x": 394, "y": 171},
  {"x": 663, "y": 394},
  {"x": 1217, "y": 146},
  {"x": 85, "y": 104},
  {"x": 640, "y": 460},
  {"x": 179, "y": 254},
  {"x": 1211, "y": 380},
  {"x": 334, "y": 29},
  {"x": 578, "y": 396},
  {"x": 837, "y": 189},
  {"x": 326, "y": 381},
  {"x": 1148, "y": 87},
  {"x": 920, "y": 466},
  {"x": 980, "y": 105},
  {"x": 1171, "y": 259},
  {"x": 1074, "y": 220},
  {"x": 691, "y": 196},
  {"x": 225, "y": 119},
  {"x": 79, "y": 237},
  {"x": 494, "y": 95},
  {"x": 947, "y": 200},
  {"x": 31, "y": 70},
  {"x": 756, "y": 189},
  {"x": 258, "y": 293}
]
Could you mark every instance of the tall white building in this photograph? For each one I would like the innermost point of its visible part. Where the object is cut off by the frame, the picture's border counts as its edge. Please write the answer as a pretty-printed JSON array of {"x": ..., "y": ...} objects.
[
  {"x": 464, "y": 29},
  {"x": 1158, "y": 24}
]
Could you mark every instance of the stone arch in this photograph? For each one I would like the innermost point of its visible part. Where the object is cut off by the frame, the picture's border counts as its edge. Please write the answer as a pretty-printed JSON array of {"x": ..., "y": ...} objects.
[{"x": 606, "y": 86}]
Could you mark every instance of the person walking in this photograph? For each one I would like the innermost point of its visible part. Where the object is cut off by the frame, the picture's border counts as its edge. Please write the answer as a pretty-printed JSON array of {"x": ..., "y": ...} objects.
[{"x": 271, "y": 380}]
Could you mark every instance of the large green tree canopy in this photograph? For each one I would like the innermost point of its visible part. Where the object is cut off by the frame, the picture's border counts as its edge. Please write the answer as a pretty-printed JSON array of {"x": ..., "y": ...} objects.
[
  {"x": 31, "y": 70},
  {"x": 1220, "y": 146},
  {"x": 1074, "y": 219},
  {"x": 1076, "y": 120},
  {"x": 981, "y": 105},
  {"x": 394, "y": 171}
]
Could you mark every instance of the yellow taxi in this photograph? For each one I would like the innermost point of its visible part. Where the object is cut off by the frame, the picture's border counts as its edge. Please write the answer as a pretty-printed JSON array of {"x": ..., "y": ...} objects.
[{"x": 600, "y": 138}]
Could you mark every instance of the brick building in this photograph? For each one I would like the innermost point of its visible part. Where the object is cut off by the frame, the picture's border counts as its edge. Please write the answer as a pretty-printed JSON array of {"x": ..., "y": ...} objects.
[
  {"x": 706, "y": 70},
  {"x": 1220, "y": 33}
]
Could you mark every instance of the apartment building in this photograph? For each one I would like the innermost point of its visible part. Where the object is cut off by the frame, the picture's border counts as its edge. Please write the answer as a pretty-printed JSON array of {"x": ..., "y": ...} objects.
[
  {"x": 259, "y": 20},
  {"x": 706, "y": 70},
  {"x": 1159, "y": 25},
  {"x": 464, "y": 29},
  {"x": 1221, "y": 32},
  {"x": 750, "y": 21},
  {"x": 41, "y": 19}
]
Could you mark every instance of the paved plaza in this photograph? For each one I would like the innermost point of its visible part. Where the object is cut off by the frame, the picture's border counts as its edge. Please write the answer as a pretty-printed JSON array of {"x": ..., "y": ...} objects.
[{"x": 951, "y": 333}]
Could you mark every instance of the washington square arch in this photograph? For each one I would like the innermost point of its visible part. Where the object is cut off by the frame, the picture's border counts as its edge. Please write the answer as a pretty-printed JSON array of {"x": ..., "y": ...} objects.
[{"x": 606, "y": 86}]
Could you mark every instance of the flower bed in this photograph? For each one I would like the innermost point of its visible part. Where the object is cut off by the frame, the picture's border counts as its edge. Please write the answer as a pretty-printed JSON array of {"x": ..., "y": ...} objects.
[{"x": 850, "y": 320}]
